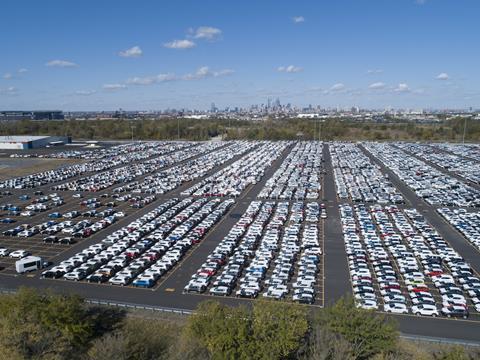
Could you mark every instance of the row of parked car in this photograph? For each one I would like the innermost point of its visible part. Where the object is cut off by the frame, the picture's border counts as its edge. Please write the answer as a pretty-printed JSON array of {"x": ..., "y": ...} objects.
[
  {"x": 168, "y": 179},
  {"x": 80, "y": 229},
  {"x": 435, "y": 187},
  {"x": 137, "y": 153},
  {"x": 358, "y": 179},
  {"x": 394, "y": 256},
  {"x": 141, "y": 252},
  {"x": 128, "y": 173},
  {"x": 37, "y": 205},
  {"x": 298, "y": 177},
  {"x": 268, "y": 246},
  {"x": 233, "y": 179},
  {"x": 467, "y": 151},
  {"x": 467, "y": 223},
  {"x": 102, "y": 152},
  {"x": 467, "y": 169}
]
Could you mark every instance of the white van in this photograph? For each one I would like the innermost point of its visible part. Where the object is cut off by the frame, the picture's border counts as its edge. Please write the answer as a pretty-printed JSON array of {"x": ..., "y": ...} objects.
[{"x": 29, "y": 263}]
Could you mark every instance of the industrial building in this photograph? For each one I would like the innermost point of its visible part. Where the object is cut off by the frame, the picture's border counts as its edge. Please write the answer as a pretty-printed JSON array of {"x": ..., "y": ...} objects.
[
  {"x": 31, "y": 142},
  {"x": 32, "y": 115}
]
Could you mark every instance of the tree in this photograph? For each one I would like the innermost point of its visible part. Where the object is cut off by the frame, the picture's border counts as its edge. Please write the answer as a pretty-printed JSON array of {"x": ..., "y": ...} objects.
[
  {"x": 223, "y": 330},
  {"x": 278, "y": 328},
  {"x": 272, "y": 330},
  {"x": 137, "y": 339},
  {"x": 38, "y": 325},
  {"x": 323, "y": 344},
  {"x": 367, "y": 332}
]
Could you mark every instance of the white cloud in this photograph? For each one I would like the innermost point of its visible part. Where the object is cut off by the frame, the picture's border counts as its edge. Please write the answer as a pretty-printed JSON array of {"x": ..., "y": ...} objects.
[
  {"x": 180, "y": 44},
  {"x": 298, "y": 19},
  {"x": 205, "y": 72},
  {"x": 375, "y": 71},
  {"x": 442, "y": 76},
  {"x": 141, "y": 80},
  {"x": 150, "y": 80},
  {"x": 402, "y": 88},
  {"x": 7, "y": 76},
  {"x": 85, "y": 92},
  {"x": 206, "y": 32},
  {"x": 337, "y": 87},
  {"x": 223, "y": 72},
  {"x": 377, "y": 86},
  {"x": 133, "y": 52},
  {"x": 9, "y": 91},
  {"x": 114, "y": 87},
  {"x": 22, "y": 70},
  {"x": 61, "y": 63},
  {"x": 289, "y": 69}
]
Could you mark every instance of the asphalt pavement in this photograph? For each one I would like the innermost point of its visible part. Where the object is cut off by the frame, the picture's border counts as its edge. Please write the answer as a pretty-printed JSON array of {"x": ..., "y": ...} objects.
[{"x": 336, "y": 277}]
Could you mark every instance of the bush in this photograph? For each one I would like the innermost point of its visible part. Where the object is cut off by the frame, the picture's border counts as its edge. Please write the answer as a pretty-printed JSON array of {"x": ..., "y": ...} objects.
[
  {"x": 368, "y": 333},
  {"x": 137, "y": 339},
  {"x": 44, "y": 325}
]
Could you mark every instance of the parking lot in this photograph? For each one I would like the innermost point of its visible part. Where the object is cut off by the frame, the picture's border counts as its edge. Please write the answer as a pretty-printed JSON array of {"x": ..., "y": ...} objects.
[{"x": 294, "y": 221}]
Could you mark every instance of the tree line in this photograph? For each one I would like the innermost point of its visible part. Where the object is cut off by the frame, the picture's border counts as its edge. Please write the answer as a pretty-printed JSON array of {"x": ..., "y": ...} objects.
[
  {"x": 270, "y": 129},
  {"x": 44, "y": 325}
]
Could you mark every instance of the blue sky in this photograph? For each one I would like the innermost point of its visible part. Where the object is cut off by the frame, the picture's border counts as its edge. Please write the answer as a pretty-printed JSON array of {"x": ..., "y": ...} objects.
[{"x": 146, "y": 55}]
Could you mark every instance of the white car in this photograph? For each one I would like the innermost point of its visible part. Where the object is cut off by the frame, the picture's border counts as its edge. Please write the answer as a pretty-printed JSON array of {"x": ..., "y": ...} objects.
[
  {"x": 18, "y": 254},
  {"x": 367, "y": 304},
  {"x": 4, "y": 252},
  {"x": 395, "y": 308},
  {"x": 454, "y": 297},
  {"x": 365, "y": 296},
  {"x": 120, "y": 280},
  {"x": 220, "y": 290},
  {"x": 395, "y": 298},
  {"x": 426, "y": 310}
]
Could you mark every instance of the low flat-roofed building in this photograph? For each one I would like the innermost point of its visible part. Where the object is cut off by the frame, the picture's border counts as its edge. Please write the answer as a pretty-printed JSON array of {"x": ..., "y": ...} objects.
[
  {"x": 32, "y": 115},
  {"x": 20, "y": 142}
]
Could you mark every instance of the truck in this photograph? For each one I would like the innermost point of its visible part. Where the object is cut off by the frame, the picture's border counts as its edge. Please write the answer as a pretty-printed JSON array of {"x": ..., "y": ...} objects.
[{"x": 29, "y": 263}]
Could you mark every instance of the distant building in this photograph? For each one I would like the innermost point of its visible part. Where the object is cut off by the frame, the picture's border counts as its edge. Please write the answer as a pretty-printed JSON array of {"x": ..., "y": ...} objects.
[
  {"x": 31, "y": 115},
  {"x": 31, "y": 142},
  {"x": 308, "y": 116}
]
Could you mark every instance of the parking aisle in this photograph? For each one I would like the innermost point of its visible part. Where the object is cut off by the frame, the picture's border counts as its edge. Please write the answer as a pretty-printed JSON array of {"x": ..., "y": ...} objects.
[
  {"x": 337, "y": 283},
  {"x": 460, "y": 244}
]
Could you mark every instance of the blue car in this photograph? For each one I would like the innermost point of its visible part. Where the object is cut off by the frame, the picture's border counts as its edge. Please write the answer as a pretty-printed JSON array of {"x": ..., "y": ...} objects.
[
  {"x": 143, "y": 283},
  {"x": 55, "y": 215},
  {"x": 8, "y": 221}
]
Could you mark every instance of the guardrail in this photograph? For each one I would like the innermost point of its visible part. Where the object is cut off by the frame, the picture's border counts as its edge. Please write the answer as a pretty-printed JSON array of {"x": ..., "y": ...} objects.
[{"x": 139, "y": 306}]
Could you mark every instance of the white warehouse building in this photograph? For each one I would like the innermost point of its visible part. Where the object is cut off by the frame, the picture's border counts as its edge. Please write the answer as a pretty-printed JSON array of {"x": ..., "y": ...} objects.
[{"x": 31, "y": 142}]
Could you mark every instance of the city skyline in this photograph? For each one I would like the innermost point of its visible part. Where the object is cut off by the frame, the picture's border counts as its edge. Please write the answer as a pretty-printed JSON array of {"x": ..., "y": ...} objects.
[{"x": 378, "y": 54}]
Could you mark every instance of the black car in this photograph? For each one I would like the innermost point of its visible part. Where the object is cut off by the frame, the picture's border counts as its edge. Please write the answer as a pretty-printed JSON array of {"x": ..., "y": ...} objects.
[
  {"x": 51, "y": 274},
  {"x": 50, "y": 239},
  {"x": 98, "y": 278},
  {"x": 455, "y": 311}
]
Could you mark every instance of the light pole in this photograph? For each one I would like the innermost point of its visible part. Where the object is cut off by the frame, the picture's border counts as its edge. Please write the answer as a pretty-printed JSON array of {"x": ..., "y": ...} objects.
[
  {"x": 464, "y": 130},
  {"x": 178, "y": 128},
  {"x": 131, "y": 129}
]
